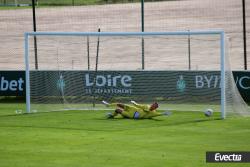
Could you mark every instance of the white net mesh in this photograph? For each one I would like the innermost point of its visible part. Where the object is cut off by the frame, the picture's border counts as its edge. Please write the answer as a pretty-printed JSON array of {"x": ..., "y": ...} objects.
[
  {"x": 234, "y": 103},
  {"x": 181, "y": 72}
]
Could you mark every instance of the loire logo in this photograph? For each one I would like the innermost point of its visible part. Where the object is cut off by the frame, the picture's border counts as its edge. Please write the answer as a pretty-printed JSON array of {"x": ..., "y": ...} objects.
[
  {"x": 181, "y": 84},
  {"x": 109, "y": 80},
  {"x": 61, "y": 83},
  {"x": 108, "y": 84}
]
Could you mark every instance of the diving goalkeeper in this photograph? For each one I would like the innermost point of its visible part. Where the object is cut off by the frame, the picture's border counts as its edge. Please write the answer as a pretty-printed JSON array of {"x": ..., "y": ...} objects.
[{"x": 135, "y": 111}]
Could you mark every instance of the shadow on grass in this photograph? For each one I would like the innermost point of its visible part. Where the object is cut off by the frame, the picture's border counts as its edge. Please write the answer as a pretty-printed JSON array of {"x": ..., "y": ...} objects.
[
  {"x": 101, "y": 129},
  {"x": 100, "y": 123}
]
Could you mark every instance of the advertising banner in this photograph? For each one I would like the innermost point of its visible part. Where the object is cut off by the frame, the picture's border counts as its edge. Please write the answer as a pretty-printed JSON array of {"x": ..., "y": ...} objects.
[
  {"x": 12, "y": 83},
  {"x": 242, "y": 80},
  {"x": 167, "y": 84}
]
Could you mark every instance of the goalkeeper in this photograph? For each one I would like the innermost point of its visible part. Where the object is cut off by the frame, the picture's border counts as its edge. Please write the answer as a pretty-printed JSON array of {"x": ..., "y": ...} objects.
[{"x": 135, "y": 111}]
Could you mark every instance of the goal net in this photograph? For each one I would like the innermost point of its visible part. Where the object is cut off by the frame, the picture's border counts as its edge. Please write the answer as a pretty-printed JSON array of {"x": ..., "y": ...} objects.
[{"x": 182, "y": 71}]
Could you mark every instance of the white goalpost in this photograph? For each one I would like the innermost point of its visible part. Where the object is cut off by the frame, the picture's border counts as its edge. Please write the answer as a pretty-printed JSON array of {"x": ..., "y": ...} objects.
[{"x": 65, "y": 81}]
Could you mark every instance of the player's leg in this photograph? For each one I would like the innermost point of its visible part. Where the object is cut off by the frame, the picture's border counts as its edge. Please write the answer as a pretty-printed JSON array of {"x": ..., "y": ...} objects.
[
  {"x": 126, "y": 114},
  {"x": 113, "y": 104},
  {"x": 123, "y": 113},
  {"x": 115, "y": 113},
  {"x": 119, "y": 105},
  {"x": 126, "y": 111}
]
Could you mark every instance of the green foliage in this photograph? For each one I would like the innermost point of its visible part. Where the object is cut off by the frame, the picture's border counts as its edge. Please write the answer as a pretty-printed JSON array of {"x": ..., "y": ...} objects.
[
  {"x": 68, "y": 2},
  {"x": 86, "y": 138}
]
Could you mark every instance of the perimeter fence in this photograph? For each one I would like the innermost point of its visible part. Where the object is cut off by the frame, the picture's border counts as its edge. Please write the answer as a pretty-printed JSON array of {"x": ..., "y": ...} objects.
[{"x": 16, "y": 17}]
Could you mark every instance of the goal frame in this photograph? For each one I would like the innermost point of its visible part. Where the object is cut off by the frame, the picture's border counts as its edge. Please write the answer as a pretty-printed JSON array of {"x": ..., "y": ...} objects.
[{"x": 221, "y": 33}]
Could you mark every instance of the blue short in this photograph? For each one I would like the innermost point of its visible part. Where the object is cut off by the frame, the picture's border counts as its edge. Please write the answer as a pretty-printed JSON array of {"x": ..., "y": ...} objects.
[{"x": 136, "y": 115}]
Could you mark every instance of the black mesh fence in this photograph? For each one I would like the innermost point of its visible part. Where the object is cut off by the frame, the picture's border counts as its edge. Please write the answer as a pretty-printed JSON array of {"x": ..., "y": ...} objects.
[{"x": 16, "y": 17}]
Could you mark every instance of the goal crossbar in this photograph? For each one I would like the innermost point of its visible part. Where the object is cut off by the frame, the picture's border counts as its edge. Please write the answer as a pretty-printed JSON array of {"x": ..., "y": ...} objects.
[{"x": 208, "y": 32}]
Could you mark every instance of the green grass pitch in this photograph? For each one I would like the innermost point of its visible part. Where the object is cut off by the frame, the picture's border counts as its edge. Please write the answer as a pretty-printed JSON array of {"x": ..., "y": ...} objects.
[{"x": 87, "y": 139}]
